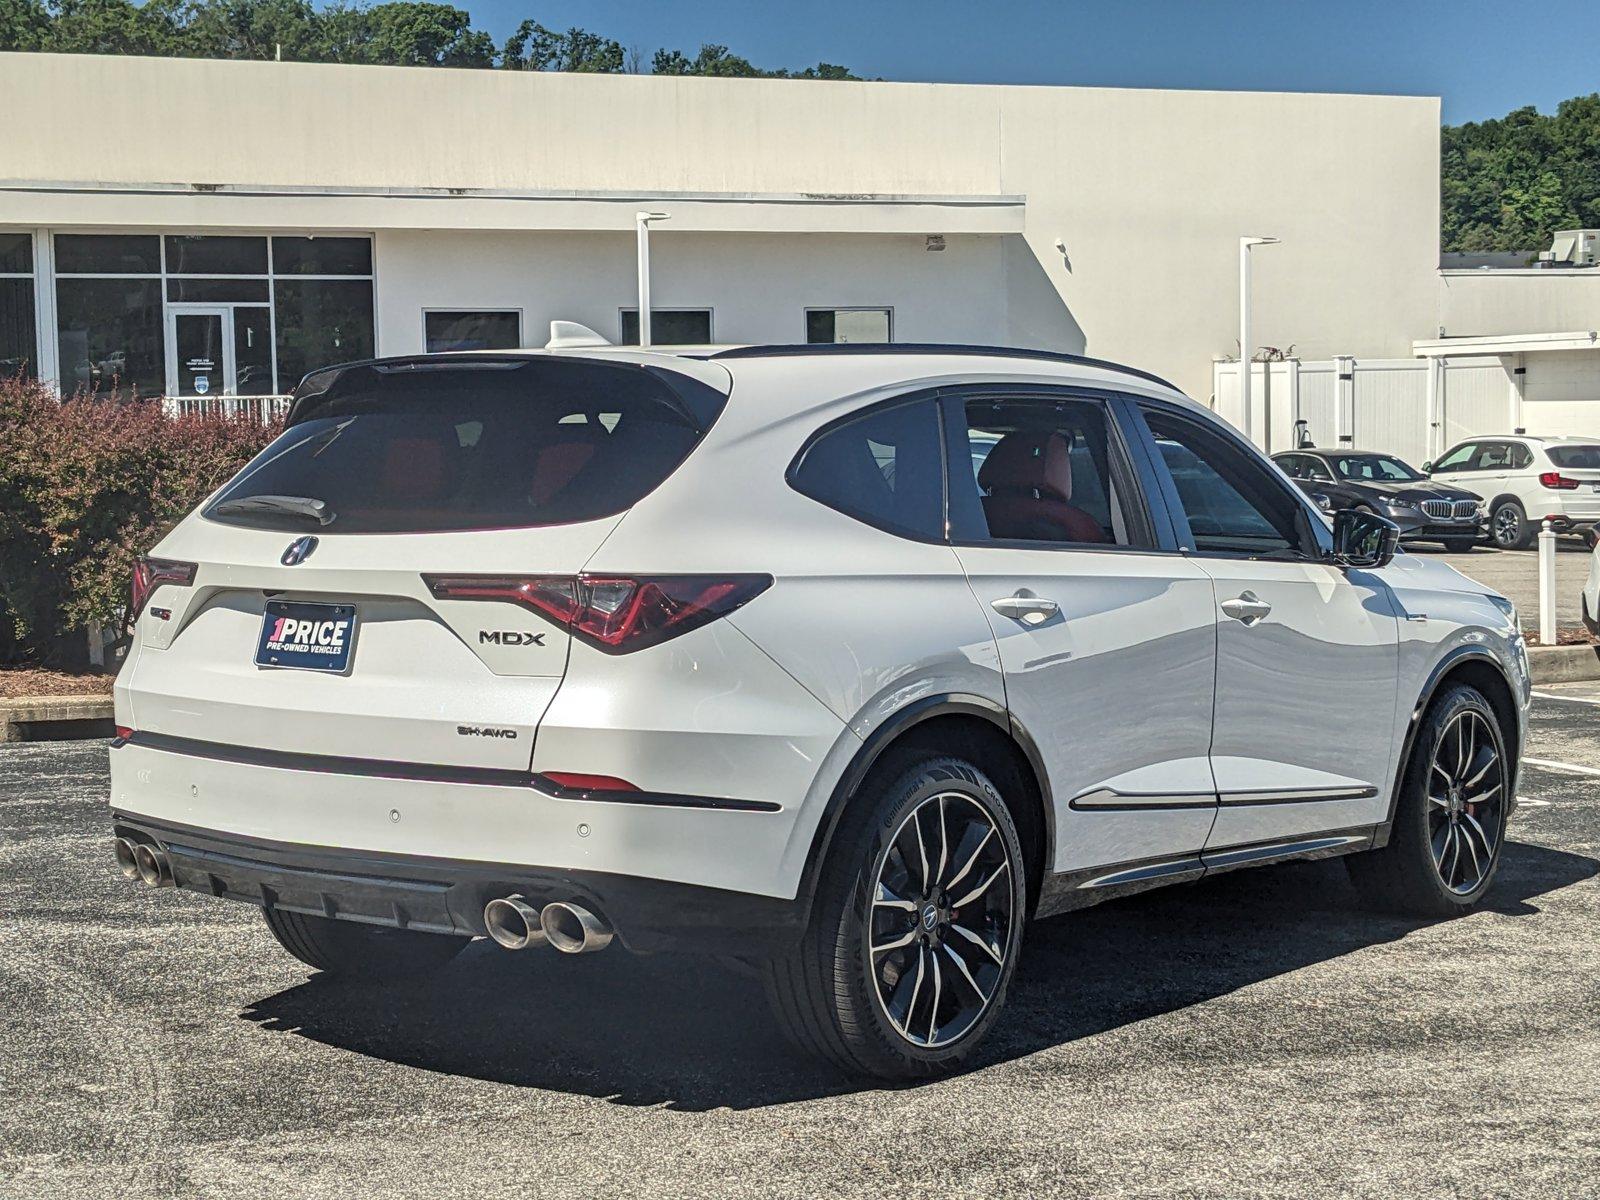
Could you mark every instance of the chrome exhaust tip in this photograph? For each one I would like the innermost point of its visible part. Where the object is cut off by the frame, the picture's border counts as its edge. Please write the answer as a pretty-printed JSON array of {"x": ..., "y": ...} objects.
[
  {"x": 152, "y": 865},
  {"x": 126, "y": 862},
  {"x": 573, "y": 929},
  {"x": 513, "y": 923}
]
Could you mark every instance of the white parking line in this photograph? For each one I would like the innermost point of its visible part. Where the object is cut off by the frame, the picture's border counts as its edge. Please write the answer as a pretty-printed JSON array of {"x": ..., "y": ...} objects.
[
  {"x": 1551, "y": 765},
  {"x": 1525, "y": 801},
  {"x": 1569, "y": 699}
]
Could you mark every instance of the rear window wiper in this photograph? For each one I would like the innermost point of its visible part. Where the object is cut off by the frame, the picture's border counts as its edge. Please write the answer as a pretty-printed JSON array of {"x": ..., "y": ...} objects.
[{"x": 294, "y": 506}]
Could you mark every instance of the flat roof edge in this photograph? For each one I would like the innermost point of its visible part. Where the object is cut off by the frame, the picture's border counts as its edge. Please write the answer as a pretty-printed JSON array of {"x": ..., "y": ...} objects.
[{"x": 467, "y": 193}]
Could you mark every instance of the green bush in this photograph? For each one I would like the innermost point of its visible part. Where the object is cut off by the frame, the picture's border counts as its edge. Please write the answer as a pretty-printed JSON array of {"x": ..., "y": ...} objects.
[{"x": 86, "y": 485}]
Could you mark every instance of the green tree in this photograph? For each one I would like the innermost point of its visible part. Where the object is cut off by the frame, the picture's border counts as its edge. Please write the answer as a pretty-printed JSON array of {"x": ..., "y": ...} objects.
[
  {"x": 114, "y": 27},
  {"x": 534, "y": 48},
  {"x": 718, "y": 60},
  {"x": 24, "y": 25},
  {"x": 260, "y": 29},
  {"x": 407, "y": 33},
  {"x": 1509, "y": 183}
]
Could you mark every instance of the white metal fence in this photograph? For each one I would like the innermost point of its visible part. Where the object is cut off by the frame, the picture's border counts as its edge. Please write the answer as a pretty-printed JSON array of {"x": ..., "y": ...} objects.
[
  {"x": 262, "y": 408},
  {"x": 1371, "y": 404}
]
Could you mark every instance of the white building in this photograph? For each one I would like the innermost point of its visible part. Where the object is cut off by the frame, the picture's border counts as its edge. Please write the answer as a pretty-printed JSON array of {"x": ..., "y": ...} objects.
[{"x": 177, "y": 225}]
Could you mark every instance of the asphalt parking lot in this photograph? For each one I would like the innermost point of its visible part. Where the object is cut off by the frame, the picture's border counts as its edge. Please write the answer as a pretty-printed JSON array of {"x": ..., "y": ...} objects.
[{"x": 1256, "y": 1034}]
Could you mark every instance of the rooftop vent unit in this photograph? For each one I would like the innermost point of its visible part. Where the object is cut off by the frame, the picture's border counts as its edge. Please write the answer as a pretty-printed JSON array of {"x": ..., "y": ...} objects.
[{"x": 1575, "y": 248}]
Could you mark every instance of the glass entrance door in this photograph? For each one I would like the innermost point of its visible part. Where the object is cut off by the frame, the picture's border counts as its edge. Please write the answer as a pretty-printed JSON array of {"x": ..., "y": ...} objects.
[{"x": 200, "y": 351}]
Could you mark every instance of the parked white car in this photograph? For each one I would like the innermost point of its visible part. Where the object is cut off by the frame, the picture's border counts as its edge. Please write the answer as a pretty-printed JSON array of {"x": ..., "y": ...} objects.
[
  {"x": 1526, "y": 480},
  {"x": 848, "y": 661}
]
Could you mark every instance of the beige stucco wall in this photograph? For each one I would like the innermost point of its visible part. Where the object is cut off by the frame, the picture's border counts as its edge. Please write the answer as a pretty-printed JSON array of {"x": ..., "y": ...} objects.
[
  {"x": 1484, "y": 303},
  {"x": 1148, "y": 190}
]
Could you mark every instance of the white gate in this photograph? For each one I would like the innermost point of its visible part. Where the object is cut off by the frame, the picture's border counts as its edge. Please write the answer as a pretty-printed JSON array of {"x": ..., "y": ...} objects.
[{"x": 1370, "y": 404}]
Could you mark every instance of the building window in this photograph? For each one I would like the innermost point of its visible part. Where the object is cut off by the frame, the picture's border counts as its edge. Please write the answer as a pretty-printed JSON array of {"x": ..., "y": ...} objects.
[
  {"x": 19, "y": 340},
  {"x": 321, "y": 322},
  {"x": 281, "y": 305},
  {"x": 322, "y": 256},
  {"x": 669, "y": 326},
  {"x": 829, "y": 325},
  {"x": 210, "y": 255},
  {"x": 444, "y": 329}
]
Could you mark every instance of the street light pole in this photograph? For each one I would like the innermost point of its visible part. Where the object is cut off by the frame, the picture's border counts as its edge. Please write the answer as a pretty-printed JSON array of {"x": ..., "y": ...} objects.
[
  {"x": 1244, "y": 325},
  {"x": 641, "y": 223}
]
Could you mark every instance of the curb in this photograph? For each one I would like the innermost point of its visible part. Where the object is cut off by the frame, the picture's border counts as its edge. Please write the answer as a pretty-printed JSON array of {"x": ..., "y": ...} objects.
[
  {"x": 18, "y": 716},
  {"x": 1563, "y": 664}
]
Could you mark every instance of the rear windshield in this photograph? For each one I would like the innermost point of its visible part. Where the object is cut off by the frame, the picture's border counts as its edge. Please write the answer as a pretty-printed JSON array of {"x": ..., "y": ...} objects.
[
  {"x": 501, "y": 445},
  {"x": 1575, "y": 458}
]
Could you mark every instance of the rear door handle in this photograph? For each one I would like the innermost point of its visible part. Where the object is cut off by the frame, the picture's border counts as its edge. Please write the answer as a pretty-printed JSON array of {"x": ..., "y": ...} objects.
[
  {"x": 1024, "y": 606},
  {"x": 1247, "y": 608}
]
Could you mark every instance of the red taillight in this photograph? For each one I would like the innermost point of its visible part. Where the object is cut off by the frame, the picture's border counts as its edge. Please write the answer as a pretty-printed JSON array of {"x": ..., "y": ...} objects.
[
  {"x": 588, "y": 783},
  {"x": 614, "y": 613},
  {"x": 1558, "y": 481},
  {"x": 123, "y": 731},
  {"x": 152, "y": 573}
]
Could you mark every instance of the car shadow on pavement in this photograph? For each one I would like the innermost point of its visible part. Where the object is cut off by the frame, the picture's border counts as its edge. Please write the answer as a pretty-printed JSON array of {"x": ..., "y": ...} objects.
[{"x": 694, "y": 1034}]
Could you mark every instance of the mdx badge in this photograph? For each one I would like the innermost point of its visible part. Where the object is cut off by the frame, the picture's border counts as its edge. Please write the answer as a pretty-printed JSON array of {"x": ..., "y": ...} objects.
[
  {"x": 509, "y": 637},
  {"x": 299, "y": 550}
]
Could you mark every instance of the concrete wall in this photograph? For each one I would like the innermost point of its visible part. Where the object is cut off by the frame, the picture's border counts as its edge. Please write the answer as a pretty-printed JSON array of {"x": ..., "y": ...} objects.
[
  {"x": 1148, "y": 190},
  {"x": 1483, "y": 303},
  {"x": 757, "y": 285}
]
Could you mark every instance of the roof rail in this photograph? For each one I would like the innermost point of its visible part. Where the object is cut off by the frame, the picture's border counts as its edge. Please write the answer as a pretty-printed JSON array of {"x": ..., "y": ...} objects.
[{"x": 846, "y": 348}]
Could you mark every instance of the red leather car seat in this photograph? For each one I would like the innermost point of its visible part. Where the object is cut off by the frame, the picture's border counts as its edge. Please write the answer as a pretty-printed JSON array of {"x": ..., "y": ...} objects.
[{"x": 1027, "y": 481}]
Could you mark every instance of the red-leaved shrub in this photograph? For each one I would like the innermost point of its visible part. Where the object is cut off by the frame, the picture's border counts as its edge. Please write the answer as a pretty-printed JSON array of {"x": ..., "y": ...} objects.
[{"x": 86, "y": 484}]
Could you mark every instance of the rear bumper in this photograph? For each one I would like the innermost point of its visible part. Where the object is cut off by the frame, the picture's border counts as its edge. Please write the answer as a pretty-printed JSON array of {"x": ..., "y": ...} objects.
[
  {"x": 441, "y": 895},
  {"x": 355, "y": 839}
]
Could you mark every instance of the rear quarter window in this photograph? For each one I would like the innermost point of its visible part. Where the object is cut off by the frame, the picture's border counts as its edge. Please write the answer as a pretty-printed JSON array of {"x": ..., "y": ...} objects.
[
  {"x": 510, "y": 444},
  {"x": 1575, "y": 457},
  {"x": 884, "y": 468}
]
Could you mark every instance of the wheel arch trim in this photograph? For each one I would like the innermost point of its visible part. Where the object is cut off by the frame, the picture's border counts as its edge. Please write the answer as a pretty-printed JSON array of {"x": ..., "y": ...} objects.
[
  {"x": 900, "y": 722},
  {"x": 1448, "y": 662}
]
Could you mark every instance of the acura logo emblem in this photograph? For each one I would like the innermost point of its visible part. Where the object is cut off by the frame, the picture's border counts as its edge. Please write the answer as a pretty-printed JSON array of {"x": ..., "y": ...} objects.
[{"x": 299, "y": 550}]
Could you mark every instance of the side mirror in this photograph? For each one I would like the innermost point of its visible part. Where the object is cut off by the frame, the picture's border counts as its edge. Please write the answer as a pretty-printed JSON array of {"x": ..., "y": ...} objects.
[
  {"x": 1363, "y": 539},
  {"x": 1427, "y": 467},
  {"x": 1322, "y": 502}
]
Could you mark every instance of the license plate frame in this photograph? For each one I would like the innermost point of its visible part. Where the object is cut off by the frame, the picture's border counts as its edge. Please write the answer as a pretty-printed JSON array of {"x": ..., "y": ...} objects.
[{"x": 326, "y": 645}]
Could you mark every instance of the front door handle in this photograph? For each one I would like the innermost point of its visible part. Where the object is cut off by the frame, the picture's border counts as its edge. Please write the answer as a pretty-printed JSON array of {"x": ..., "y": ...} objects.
[
  {"x": 1024, "y": 606},
  {"x": 1247, "y": 608}
]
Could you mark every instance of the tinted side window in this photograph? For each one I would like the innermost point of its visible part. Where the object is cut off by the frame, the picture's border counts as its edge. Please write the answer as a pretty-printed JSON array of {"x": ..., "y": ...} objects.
[
  {"x": 1293, "y": 465},
  {"x": 1316, "y": 469},
  {"x": 1459, "y": 459},
  {"x": 1573, "y": 458},
  {"x": 1493, "y": 456},
  {"x": 1234, "y": 506},
  {"x": 1521, "y": 457},
  {"x": 1037, "y": 470},
  {"x": 883, "y": 468}
]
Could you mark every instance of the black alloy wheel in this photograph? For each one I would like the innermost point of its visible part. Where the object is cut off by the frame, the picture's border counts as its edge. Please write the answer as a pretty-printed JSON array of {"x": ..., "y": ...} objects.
[
  {"x": 942, "y": 917},
  {"x": 1466, "y": 801}
]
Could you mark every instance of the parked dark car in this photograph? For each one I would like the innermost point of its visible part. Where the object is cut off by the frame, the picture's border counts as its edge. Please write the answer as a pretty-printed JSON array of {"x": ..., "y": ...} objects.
[{"x": 1426, "y": 511}]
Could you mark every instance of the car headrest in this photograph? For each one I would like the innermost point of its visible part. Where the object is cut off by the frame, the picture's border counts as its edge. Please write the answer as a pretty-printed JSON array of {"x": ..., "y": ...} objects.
[
  {"x": 1029, "y": 462},
  {"x": 415, "y": 469}
]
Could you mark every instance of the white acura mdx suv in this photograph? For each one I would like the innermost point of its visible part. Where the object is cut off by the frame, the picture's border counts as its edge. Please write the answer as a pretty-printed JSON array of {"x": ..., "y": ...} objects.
[{"x": 845, "y": 661}]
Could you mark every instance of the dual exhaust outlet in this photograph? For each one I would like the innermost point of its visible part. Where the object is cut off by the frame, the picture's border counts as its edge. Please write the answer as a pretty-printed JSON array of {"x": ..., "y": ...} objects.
[
  {"x": 511, "y": 921},
  {"x": 515, "y": 924},
  {"x": 146, "y": 863}
]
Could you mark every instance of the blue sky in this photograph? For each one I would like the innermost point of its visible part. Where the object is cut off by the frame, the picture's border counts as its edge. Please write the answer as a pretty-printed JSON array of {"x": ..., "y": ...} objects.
[{"x": 1484, "y": 59}]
